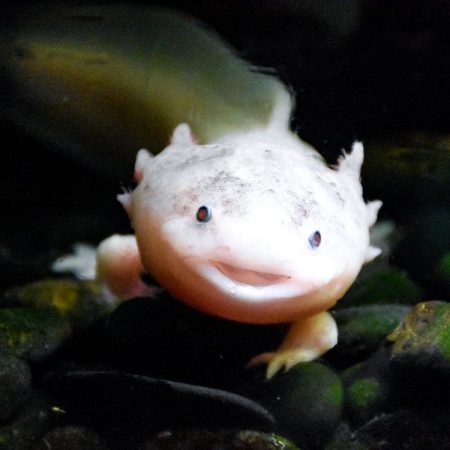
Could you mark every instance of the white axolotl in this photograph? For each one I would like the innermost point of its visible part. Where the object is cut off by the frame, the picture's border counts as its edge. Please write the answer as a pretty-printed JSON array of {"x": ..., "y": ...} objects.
[{"x": 254, "y": 227}]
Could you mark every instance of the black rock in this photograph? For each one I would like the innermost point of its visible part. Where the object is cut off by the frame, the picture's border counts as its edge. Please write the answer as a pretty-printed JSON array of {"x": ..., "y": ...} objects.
[
  {"x": 400, "y": 430},
  {"x": 165, "y": 339},
  {"x": 131, "y": 406},
  {"x": 306, "y": 401},
  {"x": 33, "y": 420},
  {"x": 71, "y": 438},
  {"x": 15, "y": 384}
]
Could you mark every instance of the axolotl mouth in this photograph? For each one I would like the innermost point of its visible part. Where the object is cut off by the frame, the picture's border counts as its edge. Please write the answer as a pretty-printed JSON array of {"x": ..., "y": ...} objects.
[{"x": 248, "y": 276}]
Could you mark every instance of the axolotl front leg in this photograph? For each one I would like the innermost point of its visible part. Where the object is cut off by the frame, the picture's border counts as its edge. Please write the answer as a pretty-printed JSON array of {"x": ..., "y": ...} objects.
[
  {"x": 306, "y": 340},
  {"x": 119, "y": 268}
]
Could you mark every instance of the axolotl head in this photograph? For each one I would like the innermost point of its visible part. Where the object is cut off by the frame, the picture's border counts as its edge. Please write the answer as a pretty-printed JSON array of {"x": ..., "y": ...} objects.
[{"x": 250, "y": 230}]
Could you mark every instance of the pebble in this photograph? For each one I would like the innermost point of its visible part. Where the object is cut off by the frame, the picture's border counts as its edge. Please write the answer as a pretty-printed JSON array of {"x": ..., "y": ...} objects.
[
  {"x": 368, "y": 388},
  {"x": 223, "y": 440},
  {"x": 71, "y": 438},
  {"x": 307, "y": 401},
  {"x": 15, "y": 384},
  {"x": 362, "y": 329},
  {"x": 80, "y": 302},
  {"x": 32, "y": 334},
  {"x": 422, "y": 341},
  {"x": 388, "y": 285},
  {"x": 32, "y": 421},
  {"x": 405, "y": 429}
]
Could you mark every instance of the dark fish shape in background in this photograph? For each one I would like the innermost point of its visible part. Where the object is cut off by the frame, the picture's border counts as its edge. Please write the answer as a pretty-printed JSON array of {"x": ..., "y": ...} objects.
[{"x": 105, "y": 81}]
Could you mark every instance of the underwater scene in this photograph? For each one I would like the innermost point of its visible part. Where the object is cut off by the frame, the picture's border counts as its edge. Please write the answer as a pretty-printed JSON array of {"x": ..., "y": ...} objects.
[{"x": 225, "y": 225}]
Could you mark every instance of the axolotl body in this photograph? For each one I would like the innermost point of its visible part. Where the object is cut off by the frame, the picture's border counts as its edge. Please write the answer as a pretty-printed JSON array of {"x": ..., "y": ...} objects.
[
  {"x": 254, "y": 227},
  {"x": 251, "y": 225}
]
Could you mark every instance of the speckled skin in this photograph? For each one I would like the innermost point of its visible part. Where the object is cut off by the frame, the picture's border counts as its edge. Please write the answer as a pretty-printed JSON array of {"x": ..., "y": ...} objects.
[{"x": 268, "y": 192}]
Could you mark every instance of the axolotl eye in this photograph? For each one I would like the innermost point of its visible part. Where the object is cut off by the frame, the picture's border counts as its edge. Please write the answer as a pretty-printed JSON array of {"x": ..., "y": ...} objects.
[
  {"x": 315, "y": 239},
  {"x": 204, "y": 214}
]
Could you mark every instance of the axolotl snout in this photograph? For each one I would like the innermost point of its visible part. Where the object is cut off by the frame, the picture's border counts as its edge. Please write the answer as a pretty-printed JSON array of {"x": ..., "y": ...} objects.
[{"x": 256, "y": 228}]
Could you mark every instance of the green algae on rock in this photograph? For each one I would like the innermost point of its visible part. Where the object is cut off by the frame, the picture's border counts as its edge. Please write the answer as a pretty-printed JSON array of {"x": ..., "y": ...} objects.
[
  {"x": 80, "y": 302},
  {"x": 306, "y": 401},
  {"x": 225, "y": 440},
  {"x": 388, "y": 285},
  {"x": 362, "y": 329},
  {"x": 423, "y": 338},
  {"x": 368, "y": 389},
  {"x": 32, "y": 334},
  {"x": 364, "y": 396}
]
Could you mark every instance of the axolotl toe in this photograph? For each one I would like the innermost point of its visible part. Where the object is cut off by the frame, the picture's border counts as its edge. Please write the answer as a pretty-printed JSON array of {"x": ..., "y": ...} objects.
[{"x": 254, "y": 228}]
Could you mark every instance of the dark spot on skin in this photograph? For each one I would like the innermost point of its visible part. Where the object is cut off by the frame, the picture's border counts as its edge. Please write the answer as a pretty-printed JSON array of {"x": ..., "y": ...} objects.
[
  {"x": 225, "y": 181},
  {"x": 146, "y": 187},
  {"x": 267, "y": 154},
  {"x": 336, "y": 192},
  {"x": 191, "y": 161},
  {"x": 302, "y": 211},
  {"x": 340, "y": 198},
  {"x": 302, "y": 207},
  {"x": 193, "y": 195},
  {"x": 204, "y": 155}
]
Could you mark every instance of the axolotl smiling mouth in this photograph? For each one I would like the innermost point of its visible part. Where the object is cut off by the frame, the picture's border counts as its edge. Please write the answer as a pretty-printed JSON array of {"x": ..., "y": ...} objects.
[
  {"x": 248, "y": 276},
  {"x": 238, "y": 292},
  {"x": 250, "y": 285}
]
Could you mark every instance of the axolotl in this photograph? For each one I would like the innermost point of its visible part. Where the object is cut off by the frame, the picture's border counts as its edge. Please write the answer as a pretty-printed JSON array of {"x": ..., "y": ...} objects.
[
  {"x": 245, "y": 220},
  {"x": 254, "y": 227}
]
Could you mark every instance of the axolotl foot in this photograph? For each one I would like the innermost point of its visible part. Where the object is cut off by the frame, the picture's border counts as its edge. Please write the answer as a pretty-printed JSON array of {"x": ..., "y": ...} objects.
[
  {"x": 306, "y": 340},
  {"x": 120, "y": 270}
]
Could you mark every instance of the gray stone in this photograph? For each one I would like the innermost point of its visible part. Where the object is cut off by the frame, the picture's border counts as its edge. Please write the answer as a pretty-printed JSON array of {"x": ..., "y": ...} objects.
[
  {"x": 71, "y": 438},
  {"x": 33, "y": 420},
  {"x": 15, "y": 384}
]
